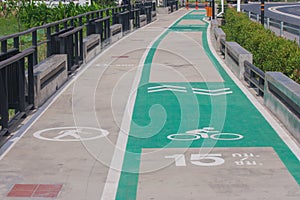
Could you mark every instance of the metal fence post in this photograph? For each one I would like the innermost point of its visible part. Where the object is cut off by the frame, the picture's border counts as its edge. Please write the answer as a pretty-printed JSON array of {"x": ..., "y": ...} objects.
[
  {"x": 30, "y": 80},
  {"x": 4, "y": 99},
  {"x": 281, "y": 29},
  {"x": 34, "y": 44},
  {"x": 257, "y": 17},
  {"x": 268, "y": 23},
  {"x": 4, "y": 46},
  {"x": 49, "y": 48},
  {"x": 16, "y": 42},
  {"x": 21, "y": 84},
  {"x": 299, "y": 37}
]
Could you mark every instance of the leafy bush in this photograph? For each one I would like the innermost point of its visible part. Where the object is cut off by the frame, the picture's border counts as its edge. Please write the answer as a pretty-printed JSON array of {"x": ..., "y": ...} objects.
[
  {"x": 33, "y": 14},
  {"x": 270, "y": 52}
]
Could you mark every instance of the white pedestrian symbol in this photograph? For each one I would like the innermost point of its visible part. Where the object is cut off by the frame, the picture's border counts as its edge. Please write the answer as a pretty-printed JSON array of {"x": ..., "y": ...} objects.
[{"x": 70, "y": 134}]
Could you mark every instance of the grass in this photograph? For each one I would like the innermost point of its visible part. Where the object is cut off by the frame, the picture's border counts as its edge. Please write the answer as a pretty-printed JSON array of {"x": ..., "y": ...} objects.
[{"x": 9, "y": 25}]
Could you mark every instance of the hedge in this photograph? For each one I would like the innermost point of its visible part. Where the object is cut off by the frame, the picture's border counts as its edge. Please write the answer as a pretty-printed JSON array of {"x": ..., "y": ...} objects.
[{"x": 270, "y": 52}]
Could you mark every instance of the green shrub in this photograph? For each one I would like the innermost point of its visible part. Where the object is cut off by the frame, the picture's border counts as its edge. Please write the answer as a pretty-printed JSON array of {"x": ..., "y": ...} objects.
[{"x": 270, "y": 52}]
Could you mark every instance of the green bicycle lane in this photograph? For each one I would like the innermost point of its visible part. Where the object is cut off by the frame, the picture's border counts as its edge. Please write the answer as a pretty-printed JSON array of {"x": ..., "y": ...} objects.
[{"x": 200, "y": 125}]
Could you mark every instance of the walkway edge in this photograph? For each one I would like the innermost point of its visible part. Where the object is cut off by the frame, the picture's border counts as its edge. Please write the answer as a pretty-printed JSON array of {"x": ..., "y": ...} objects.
[{"x": 283, "y": 134}]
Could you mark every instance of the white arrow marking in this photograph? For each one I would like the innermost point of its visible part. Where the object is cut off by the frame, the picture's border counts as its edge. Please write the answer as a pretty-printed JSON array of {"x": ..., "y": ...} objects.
[
  {"x": 213, "y": 94},
  {"x": 205, "y": 90},
  {"x": 166, "y": 89},
  {"x": 166, "y": 86}
]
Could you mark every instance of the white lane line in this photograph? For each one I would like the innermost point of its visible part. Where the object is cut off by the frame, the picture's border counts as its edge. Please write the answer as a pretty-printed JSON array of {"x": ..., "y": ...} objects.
[
  {"x": 166, "y": 86},
  {"x": 213, "y": 94},
  {"x": 274, "y": 9},
  {"x": 114, "y": 173},
  {"x": 283, "y": 134},
  {"x": 205, "y": 90},
  {"x": 166, "y": 89}
]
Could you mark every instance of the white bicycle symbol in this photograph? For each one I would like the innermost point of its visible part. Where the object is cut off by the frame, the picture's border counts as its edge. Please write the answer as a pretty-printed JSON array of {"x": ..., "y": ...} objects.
[{"x": 205, "y": 133}]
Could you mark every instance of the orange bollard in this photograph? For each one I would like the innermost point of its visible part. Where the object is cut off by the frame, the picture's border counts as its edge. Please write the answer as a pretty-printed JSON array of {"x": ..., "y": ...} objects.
[
  {"x": 209, "y": 11},
  {"x": 206, "y": 7},
  {"x": 196, "y": 4}
]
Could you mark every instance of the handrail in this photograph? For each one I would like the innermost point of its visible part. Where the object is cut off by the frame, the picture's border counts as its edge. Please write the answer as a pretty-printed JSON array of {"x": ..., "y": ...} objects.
[
  {"x": 71, "y": 32},
  {"x": 102, "y": 19},
  {"x": 18, "y": 56},
  {"x": 6, "y": 37},
  {"x": 255, "y": 76}
]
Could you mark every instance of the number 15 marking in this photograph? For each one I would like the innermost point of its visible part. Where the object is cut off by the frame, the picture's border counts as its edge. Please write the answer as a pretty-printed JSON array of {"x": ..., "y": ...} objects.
[{"x": 205, "y": 160}]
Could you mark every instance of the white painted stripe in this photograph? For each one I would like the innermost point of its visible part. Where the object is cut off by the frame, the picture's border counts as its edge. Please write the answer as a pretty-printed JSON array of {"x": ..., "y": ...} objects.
[
  {"x": 166, "y": 89},
  {"x": 274, "y": 9},
  {"x": 113, "y": 177},
  {"x": 166, "y": 86},
  {"x": 205, "y": 90},
  {"x": 283, "y": 134},
  {"x": 213, "y": 94}
]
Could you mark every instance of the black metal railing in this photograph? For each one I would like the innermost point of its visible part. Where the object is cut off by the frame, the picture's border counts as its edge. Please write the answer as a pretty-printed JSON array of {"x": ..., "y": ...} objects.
[
  {"x": 172, "y": 4},
  {"x": 234, "y": 58},
  {"x": 148, "y": 13},
  {"x": 18, "y": 58},
  {"x": 102, "y": 27},
  {"x": 124, "y": 19},
  {"x": 222, "y": 46},
  {"x": 136, "y": 17},
  {"x": 71, "y": 43},
  {"x": 255, "y": 77},
  {"x": 17, "y": 88}
]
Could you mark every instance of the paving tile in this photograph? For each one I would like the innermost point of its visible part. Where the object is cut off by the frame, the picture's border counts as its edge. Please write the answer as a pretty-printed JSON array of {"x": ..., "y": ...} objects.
[
  {"x": 35, "y": 190},
  {"x": 49, "y": 187},
  {"x": 20, "y": 193},
  {"x": 46, "y": 194}
]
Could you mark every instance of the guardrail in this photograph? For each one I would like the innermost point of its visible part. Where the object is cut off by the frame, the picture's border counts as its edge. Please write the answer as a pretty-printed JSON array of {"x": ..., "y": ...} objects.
[
  {"x": 168, "y": 6},
  {"x": 222, "y": 46},
  {"x": 282, "y": 26},
  {"x": 71, "y": 43},
  {"x": 17, "y": 89},
  {"x": 255, "y": 77},
  {"x": 280, "y": 94},
  {"x": 60, "y": 37}
]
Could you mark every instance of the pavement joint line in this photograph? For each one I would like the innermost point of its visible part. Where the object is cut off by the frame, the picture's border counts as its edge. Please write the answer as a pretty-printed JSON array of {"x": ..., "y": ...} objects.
[
  {"x": 113, "y": 177},
  {"x": 282, "y": 133},
  {"x": 5, "y": 148}
]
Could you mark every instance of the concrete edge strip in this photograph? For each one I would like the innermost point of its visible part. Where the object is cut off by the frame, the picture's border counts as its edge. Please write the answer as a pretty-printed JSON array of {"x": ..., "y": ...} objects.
[
  {"x": 283, "y": 134},
  {"x": 40, "y": 111},
  {"x": 274, "y": 9},
  {"x": 113, "y": 177}
]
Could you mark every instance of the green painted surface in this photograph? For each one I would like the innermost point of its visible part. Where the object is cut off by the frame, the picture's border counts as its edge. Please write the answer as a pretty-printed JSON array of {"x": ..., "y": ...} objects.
[{"x": 157, "y": 115}]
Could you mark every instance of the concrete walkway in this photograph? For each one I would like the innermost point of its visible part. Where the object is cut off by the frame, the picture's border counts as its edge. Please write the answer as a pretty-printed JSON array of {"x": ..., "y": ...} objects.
[{"x": 154, "y": 116}]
